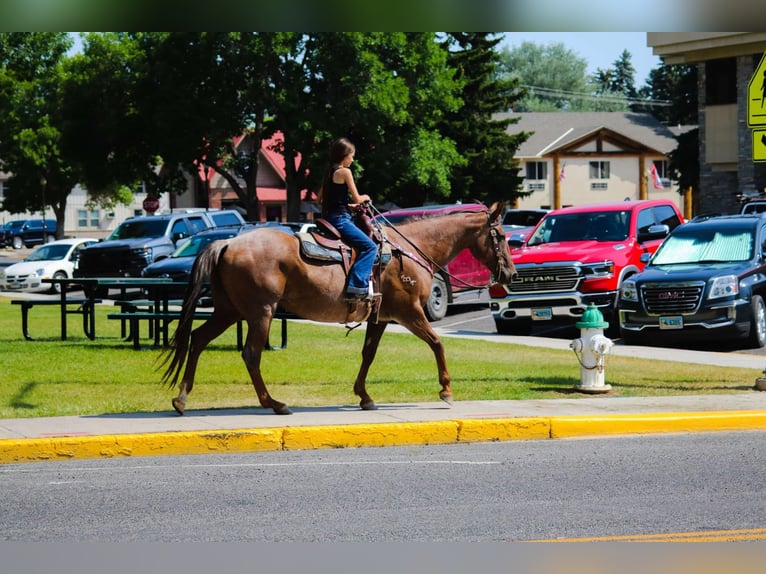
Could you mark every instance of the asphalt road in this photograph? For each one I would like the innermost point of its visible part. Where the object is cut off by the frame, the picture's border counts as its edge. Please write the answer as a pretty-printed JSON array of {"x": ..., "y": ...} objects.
[{"x": 640, "y": 486}]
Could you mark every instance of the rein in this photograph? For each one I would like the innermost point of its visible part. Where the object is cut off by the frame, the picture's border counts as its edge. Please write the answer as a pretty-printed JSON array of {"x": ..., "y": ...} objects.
[{"x": 431, "y": 264}]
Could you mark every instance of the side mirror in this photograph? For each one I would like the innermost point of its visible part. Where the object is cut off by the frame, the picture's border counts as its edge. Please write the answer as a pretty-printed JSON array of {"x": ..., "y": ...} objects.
[
  {"x": 654, "y": 232},
  {"x": 516, "y": 240},
  {"x": 178, "y": 236}
]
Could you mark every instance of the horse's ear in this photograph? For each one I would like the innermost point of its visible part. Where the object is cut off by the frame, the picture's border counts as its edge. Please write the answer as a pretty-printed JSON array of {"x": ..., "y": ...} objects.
[{"x": 496, "y": 210}]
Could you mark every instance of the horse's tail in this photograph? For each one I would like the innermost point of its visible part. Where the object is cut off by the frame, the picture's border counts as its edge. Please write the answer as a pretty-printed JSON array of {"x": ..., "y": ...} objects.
[{"x": 174, "y": 356}]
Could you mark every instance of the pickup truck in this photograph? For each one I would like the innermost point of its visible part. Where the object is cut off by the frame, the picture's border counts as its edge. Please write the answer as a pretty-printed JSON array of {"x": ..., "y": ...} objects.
[
  {"x": 139, "y": 241},
  {"x": 577, "y": 256}
]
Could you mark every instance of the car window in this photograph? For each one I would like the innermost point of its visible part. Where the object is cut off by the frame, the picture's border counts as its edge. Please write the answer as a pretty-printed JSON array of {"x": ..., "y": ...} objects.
[
  {"x": 223, "y": 219},
  {"x": 179, "y": 227},
  {"x": 196, "y": 224},
  {"x": 134, "y": 229},
  {"x": 49, "y": 253},
  {"x": 666, "y": 215},
  {"x": 706, "y": 246},
  {"x": 645, "y": 220}
]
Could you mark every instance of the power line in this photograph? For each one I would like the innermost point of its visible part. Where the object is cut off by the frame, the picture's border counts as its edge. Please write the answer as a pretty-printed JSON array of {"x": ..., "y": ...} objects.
[{"x": 551, "y": 93}]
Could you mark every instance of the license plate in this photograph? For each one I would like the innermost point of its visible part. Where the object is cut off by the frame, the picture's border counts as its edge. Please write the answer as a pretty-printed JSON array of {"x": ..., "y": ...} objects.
[
  {"x": 543, "y": 314},
  {"x": 672, "y": 322}
]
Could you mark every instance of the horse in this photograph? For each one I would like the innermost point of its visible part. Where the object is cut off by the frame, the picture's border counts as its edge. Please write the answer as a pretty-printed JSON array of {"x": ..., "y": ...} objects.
[{"x": 253, "y": 274}]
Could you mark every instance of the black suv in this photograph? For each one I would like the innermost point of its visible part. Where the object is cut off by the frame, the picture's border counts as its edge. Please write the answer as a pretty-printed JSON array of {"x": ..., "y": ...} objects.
[
  {"x": 707, "y": 281},
  {"x": 139, "y": 241},
  {"x": 28, "y": 232}
]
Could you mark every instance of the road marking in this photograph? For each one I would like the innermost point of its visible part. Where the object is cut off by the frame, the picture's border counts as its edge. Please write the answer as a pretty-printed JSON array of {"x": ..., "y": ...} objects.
[{"x": 698, "y": 536}]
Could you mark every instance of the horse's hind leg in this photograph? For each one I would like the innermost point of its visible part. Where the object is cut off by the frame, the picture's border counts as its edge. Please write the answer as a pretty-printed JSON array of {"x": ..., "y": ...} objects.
[
  {"x": 371, "y": 341},
  {"x": 200, "y": 338},
  {"x": 257, "y": 335}
]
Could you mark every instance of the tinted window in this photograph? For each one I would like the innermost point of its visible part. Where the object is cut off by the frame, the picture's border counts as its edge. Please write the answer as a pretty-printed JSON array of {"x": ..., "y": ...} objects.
[
  {"x": 645, "y": 220},
  {"x": 180, "y": 227},
  {"x": 222, "y": 219},
  {"x": 196, "y": 224},
  {"x": 666, "y": 215}
]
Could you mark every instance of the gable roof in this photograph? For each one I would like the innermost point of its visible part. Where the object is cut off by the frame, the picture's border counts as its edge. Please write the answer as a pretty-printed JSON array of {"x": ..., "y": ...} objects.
[{"x": 556, "y": 132}]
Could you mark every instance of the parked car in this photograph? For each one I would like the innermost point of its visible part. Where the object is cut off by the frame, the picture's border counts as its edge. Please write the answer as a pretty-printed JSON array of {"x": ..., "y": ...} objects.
[
  {"x": 139, "y": 241},
  {"x": 577, "y": 256},
  {"x": 754, "y": 207},
  {"x": 28, "y": 232},
  {"x": 179, "y": 264},
  {"x": 518, "y": 223},
  {"x": 53, "y": 260},
  {"x": 707, "y": 281},
  {"x": 462, "y": 277}
]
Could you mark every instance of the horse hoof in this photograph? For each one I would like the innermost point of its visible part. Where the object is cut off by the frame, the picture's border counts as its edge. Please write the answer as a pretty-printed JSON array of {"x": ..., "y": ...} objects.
[
  {"x": 446, "y": 398},
  {"x": 282, "y": 410},
  {"x": 368, "y": 405},
  {"x": 178, "y": 406}
]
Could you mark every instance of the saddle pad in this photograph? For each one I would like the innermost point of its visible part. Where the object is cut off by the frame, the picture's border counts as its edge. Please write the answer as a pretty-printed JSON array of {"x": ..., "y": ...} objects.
[{"x": 312, "y": 250}]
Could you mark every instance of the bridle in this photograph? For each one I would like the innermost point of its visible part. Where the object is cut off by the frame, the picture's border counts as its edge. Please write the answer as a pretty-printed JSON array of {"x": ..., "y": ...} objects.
[{"x": 496, "y": 233}]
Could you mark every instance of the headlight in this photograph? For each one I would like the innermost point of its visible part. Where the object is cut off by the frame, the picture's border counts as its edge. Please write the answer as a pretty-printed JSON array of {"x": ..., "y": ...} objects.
[
  {"x": 145, "y": 252},
  {"x": 628, "y": 291},
  {"x": 39, "y": 272},
  {"x": 725, "y": 286},
  {"x": 598, "y": 270}
]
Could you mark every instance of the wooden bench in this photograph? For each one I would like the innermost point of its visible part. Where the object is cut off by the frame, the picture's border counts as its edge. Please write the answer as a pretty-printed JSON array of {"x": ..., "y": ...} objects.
[
  {"x": 159, "y": 321},
  {"x": 84, "y": 307}
]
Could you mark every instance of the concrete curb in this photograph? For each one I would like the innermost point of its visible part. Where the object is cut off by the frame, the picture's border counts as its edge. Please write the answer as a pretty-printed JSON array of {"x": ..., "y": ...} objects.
[{"x": 371, "y": 435}]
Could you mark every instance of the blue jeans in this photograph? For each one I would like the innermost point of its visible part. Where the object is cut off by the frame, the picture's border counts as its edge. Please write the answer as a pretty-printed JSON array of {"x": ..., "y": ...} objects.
[{"x": 366, "y": 250}]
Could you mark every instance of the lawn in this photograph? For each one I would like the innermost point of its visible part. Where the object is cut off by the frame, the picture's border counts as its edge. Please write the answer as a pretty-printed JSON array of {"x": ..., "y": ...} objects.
[{"x": 50, "y": 377}]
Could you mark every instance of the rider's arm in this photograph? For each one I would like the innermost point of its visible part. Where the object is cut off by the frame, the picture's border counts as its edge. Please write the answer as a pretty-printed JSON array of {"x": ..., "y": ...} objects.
[{"x": 348, "y": 179}]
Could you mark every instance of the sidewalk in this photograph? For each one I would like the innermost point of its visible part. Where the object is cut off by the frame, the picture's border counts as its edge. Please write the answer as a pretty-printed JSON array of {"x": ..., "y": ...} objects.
[{"x": 252, "y": 430}]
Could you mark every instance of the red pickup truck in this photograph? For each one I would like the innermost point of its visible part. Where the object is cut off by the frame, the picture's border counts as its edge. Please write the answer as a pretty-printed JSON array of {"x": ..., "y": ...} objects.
[
  {"x": 577, "y": 256},
  {"x": 463, "y": 276}
]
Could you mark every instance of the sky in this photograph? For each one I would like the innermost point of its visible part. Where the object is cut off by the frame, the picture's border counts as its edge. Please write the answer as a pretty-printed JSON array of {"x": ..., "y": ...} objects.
[{"x": 599, "y": 49}]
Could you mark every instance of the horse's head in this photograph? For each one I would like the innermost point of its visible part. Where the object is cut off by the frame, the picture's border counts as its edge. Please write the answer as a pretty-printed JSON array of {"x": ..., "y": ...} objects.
[{"x": 502, "y": 266}]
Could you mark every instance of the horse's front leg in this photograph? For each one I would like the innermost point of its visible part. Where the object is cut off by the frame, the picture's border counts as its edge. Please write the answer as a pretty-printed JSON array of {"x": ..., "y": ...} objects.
[
  {"x": 257, "y": 335},
  {"x": 422, "y": 328},
  {"x": 371, "y": 340}
]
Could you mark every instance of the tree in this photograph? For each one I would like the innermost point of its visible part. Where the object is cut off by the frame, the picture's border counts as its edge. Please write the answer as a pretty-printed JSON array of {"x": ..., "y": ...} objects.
[
  {"x": 489, "y": 172},
  {"x": 31, "y": 123}
]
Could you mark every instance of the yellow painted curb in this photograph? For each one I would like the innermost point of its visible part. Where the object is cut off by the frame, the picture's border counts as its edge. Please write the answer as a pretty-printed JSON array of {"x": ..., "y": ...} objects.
[
  {"x": 483, "y": 430},
  {"x": 124, "y": 445},
  {"x": 588, "y": 425},
  {"x": 382, "y": 434}
]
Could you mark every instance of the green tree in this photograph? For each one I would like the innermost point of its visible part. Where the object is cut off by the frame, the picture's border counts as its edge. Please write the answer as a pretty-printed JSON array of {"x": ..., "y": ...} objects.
[
  {"x": 32, "y": 124},
  {"x": 489, "y": 173}
]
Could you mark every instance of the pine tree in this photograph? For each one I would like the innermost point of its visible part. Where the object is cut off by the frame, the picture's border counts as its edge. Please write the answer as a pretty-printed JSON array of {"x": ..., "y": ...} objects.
[{"x": 490, "y": 173}]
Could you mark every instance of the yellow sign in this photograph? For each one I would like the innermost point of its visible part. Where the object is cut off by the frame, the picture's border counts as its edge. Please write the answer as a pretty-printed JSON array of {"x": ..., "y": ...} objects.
[
  {"x": 759, "y": 145},
  {"x": 756, "y": 96}
]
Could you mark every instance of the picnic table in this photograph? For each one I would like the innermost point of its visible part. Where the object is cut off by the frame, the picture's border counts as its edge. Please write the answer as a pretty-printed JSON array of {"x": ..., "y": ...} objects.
[{"x": 152, "y": 288}]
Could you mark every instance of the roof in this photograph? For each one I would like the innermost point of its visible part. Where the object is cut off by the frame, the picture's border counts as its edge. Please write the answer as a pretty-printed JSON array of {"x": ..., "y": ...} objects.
[
  {"x": 554, "y": 131},
  {"x": 612, "y": 206}
]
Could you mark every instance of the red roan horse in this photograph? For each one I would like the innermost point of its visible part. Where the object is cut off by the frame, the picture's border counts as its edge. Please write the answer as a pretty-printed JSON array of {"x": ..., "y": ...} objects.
[{"x": 250, "y": 275}]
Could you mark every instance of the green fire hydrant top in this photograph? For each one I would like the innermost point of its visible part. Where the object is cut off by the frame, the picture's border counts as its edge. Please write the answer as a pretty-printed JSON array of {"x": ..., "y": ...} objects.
[{"x": 592, "y": 319}]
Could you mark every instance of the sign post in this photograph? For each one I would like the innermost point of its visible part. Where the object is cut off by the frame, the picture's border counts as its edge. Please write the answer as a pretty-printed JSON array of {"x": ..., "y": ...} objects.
[{"x": 756, "y": 110}]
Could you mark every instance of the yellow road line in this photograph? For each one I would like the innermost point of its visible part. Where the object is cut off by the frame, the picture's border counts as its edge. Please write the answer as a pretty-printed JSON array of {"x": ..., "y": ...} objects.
[{"x": 698, "y": 536}]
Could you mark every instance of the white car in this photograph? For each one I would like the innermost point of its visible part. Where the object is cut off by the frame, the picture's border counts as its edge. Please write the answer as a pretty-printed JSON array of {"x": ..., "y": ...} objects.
[{"x": 49, "y": 261}]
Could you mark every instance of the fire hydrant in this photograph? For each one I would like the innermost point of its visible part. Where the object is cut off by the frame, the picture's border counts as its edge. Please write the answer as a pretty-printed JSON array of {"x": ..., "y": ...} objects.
[{"x": 590, "y": 349}]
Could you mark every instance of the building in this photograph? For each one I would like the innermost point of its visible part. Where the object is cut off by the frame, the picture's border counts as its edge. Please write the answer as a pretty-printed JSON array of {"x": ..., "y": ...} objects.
[
  {"x": 594, "y": 157},
  {"x": 726, "y": 63}
]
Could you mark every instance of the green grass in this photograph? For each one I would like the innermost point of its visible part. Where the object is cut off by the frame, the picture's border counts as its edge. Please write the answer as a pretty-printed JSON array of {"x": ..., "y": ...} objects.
[{"x": 50, "y": 377}]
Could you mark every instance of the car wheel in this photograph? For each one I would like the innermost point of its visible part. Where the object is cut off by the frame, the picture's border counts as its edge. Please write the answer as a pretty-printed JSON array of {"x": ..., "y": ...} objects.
[
  {"x": 513, "y": 326},
  {"x": 757, "y": 337},
  {"x": 438, "y": 300},
  {"x": 17, "y": 243},
  {"x": 56, "y": 287}
]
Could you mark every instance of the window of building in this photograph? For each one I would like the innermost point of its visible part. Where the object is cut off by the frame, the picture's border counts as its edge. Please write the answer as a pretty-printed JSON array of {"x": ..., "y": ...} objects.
[
  {"x": 721, "y": 82},
  {"x": 599, "y": 170},
  {"x": 88, "y": 218},
  {"x": 661, "y": 165},
  {"x": 537, "y": 170}
]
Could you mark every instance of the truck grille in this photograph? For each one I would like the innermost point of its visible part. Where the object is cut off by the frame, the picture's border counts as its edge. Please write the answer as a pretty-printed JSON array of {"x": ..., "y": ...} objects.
[
  {"x": 542, "y": 278},
  {"x": 672, "y": 298}
]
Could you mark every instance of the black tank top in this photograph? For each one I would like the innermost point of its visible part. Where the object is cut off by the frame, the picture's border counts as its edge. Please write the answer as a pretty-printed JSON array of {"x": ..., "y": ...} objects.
[{"x": 338, "y": 197}]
